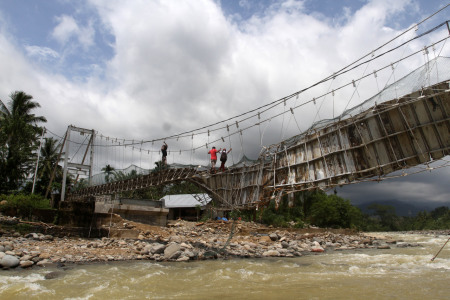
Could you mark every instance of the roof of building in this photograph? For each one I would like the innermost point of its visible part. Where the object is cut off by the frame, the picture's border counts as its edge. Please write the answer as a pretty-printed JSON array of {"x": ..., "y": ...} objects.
[{"x": 185, "y": 200}]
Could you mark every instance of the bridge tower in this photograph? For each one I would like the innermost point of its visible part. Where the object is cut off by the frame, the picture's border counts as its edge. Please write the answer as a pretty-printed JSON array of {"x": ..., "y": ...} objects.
[{"x": 81, "y": 168}]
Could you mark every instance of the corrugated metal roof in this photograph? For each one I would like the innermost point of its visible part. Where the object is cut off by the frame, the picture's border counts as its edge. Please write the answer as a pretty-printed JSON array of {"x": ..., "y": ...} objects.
[{"x": 185, "y": 200}]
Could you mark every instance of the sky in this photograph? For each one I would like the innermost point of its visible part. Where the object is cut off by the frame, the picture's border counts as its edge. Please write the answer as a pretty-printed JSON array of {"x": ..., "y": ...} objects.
[{"x": 144, "y": 70}]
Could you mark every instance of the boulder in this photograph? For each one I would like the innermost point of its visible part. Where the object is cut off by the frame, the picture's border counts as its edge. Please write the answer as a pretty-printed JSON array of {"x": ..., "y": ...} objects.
[
  {"x": 317, "y": 249},
  {"x": 25, "y": 257},
  {"x": 53, "y": 275},
  {"x": 32, "y": 235},
  {"x": 9, "y": 261},
  {"x": 47, "y": 237},
  {"x": 44, "y": 263},
  {"x": 171, "y": 251},
  {"x": 383, "y": 247},
  {"x": 189, "y": 254},
  {"x": 265, "y": 239},
  {"x": 44, "y": 256},
  {"x": 271, "y": 253},
  {"x": 157, "y": 248},
  {"x": 26, "y": 264},
  {"x": 183, "y": 258}
]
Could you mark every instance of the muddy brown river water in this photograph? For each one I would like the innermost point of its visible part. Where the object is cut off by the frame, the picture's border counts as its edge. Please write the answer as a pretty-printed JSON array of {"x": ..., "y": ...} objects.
[{"x": 396, "y": 273}]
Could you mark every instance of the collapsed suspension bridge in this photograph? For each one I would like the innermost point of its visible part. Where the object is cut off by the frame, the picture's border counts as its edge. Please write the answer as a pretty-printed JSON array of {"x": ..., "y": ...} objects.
[
  {"x": 404, "y": 125},
  {"x": 392, "y": 136}
]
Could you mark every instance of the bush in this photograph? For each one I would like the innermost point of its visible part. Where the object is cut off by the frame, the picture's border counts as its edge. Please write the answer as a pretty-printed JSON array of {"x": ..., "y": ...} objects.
[
  {"x": 271, "y": 216},
  {"x": 24, "y": 205}
]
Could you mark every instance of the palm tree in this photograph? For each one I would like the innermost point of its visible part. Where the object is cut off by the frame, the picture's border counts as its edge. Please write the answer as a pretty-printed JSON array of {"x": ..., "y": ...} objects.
[
  {"x": 108, "y": 171},
  {"x": 159, "y": 166},
  {"x": 19, "y": 137},
  {"x": 48, "y": 162}
]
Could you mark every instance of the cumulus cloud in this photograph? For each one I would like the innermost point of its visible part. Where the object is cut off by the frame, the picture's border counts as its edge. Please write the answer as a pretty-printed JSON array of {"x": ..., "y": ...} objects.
[{"x": 68, "y": 28}]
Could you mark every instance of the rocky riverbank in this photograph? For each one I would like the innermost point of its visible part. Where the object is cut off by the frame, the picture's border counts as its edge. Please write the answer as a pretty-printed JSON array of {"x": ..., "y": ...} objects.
[{"x": 180, "y": 241}]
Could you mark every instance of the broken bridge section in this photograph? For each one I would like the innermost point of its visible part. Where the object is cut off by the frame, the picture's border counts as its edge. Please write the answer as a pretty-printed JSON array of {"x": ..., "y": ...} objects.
[{"x": 392, "y": 136}]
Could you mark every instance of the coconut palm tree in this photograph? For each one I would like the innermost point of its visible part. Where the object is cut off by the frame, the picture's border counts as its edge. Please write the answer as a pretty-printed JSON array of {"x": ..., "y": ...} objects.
[
  {"x": 19, "y": 137},
  {"x": 159, "y": 166},
  {"x": 48, "y": 163},
  {"x": 108, "y": 171}
]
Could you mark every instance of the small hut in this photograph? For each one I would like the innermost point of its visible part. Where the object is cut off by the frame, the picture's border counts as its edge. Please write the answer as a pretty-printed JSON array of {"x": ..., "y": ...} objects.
[{"x": 185, "y": 206}]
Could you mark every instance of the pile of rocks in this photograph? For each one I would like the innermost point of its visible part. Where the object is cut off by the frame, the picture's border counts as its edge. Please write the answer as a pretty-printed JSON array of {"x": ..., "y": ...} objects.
[{"x": 182, "y": 241}]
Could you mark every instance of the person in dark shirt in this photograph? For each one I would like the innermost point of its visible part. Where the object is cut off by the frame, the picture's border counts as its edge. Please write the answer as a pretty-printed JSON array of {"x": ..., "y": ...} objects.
[
  {"x": 164, "y": 153},
  {"x": 223, "y": 159}
]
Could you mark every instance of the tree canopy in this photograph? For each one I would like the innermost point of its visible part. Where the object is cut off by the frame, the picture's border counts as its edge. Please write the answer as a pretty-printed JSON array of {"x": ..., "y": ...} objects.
[{"x": 19, "y": 138}]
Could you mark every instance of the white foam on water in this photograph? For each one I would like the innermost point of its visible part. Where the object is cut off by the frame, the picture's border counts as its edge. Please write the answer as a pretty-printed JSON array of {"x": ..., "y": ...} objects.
[
  {"x": 154, "y": 273},
  {"x": 17, "y": 279},
  {"x": 97, "y": 290},
  {"x": 245, "y": 274},
  {"x": 438, "y": 264},
  {"x": 9, "y": 280},
  {"x": 25, "y": 285}
]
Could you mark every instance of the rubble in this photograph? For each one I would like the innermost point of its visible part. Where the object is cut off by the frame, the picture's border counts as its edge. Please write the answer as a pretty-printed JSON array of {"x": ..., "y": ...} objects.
[{"x": 180, "y": 241}]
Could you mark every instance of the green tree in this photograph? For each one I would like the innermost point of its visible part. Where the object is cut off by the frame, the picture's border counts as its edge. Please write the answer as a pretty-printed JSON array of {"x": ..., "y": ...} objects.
[
  {"x": 47, "y": 163},
  {"x": 108, "y": 171},
  {"x": 19, "y": 138},
  {"x": 334, "y": 211},
  {"x": 80, "y": 184},
  {"x": 441, "y": 215},
  {"x": 313, "y": 207},
  {"x": 159, "y": 166}
]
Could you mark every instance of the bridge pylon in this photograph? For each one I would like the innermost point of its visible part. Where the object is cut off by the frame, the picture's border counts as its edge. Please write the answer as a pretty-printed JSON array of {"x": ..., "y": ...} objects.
[{"x": 81, "y": 168}]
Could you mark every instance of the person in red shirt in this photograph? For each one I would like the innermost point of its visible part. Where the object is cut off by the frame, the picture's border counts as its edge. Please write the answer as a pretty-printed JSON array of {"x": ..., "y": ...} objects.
[{"x": 213, "y": 153}]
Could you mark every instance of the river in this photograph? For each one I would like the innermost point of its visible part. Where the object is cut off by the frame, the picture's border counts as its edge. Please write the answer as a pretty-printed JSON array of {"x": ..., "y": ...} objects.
[{"x": 396, "y": 273}]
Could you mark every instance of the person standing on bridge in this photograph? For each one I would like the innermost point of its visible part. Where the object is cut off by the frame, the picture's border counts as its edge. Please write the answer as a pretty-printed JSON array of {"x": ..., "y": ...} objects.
[
  {"x": 213, "y": 153},
  {"x": 164, "y": 153},
  {"x": 223, "y": 159}
]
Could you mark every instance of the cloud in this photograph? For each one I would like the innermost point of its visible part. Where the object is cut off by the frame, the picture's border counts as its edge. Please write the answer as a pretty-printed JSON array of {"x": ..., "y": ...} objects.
[
  {"x": 245, "y": 4},
  {"x": 68, "y": 28},
  {"x": 426, "y": 187},
  {"x": 41, "y": 53}
]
